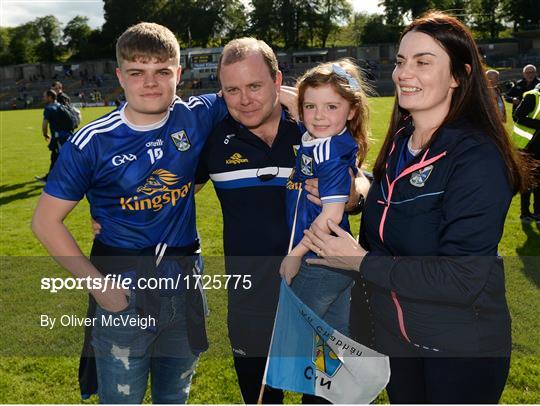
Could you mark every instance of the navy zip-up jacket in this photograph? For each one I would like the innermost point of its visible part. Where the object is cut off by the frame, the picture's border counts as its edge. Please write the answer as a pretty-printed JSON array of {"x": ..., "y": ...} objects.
[{"x": 432, "y": 232}]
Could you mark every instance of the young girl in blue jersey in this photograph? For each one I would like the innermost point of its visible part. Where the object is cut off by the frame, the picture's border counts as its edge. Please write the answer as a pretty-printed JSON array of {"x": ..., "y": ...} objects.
[{"x": 333, "y": 108}]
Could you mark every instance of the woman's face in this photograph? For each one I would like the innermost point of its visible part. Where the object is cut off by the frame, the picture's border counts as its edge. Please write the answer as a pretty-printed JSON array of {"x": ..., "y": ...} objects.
[{"x": 424, "y": 84}]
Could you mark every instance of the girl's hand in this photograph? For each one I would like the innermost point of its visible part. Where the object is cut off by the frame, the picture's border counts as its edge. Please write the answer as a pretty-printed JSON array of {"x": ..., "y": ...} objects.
[{"x": 289, "y": 267}]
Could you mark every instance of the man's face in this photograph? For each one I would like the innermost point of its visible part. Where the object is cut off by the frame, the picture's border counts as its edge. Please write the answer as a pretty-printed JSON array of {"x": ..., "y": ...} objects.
[
  {"x": 529, "y": 74},
  {"x": 57, "y": 88},
  {"x": 149, "y": 88},
  {"x": 249, "y": 90}
]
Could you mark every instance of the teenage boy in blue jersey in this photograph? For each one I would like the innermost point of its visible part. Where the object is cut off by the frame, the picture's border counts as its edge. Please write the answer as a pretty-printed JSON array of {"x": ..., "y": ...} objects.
[{"x": 136, "y": 166}]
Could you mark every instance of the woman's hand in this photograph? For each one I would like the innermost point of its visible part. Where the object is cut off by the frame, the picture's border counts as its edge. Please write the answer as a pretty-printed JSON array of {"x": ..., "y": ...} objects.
[
  {"x": 289, "y": 267},
  {"x": 341, "y": 252}
]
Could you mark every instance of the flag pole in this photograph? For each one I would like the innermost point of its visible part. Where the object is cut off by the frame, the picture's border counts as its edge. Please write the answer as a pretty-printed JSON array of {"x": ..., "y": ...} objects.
[
  {"x": 263, "y": 384},
  {"x": 261, "y": 393}
]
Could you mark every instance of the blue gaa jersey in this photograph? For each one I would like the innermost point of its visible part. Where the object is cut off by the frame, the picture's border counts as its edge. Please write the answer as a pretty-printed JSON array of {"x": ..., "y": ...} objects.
[
  {"x": 329, "y": 160},
  {"x": 139, "y": 180}
]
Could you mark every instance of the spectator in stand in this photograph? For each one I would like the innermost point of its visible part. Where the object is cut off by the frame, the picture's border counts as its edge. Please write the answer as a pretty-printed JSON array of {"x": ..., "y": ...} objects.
[
  {"x": 529, "y": 81},
  {"x": 492, "y": 76},
  {"x": 82, "y": 98},
  {"x": 97, "y": 95}
]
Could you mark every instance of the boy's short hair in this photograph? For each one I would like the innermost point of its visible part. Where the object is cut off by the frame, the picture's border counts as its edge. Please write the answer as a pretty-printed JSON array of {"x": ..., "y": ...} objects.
[
  {"x": 238, "y": 49},
  {"x": 146, "y": 42}
]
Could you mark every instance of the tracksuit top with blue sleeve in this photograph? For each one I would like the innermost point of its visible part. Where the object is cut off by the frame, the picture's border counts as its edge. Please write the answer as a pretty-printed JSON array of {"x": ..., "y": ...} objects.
[
  {"x": 329, "y": 160},
  {"x": 432, "y": 231},
  {"x": 139, "y": 180}
]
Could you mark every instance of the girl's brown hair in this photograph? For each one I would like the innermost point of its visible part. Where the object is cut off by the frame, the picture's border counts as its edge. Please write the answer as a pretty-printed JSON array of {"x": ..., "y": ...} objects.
[
  {"x": 472, "y": 99},
  {"x": 351, "y": 86}
]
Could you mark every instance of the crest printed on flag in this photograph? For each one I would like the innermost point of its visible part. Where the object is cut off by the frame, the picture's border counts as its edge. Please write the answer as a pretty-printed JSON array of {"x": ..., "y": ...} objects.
[{"x": 309, "y": 356}]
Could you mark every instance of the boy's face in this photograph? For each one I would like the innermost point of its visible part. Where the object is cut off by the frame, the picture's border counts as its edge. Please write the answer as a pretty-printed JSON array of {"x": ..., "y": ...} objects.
[{"x": 149, "y": 88}]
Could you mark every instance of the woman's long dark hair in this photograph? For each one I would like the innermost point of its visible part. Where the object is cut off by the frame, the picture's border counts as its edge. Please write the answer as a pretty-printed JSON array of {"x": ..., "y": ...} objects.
[{"x": 472, "y": 99}]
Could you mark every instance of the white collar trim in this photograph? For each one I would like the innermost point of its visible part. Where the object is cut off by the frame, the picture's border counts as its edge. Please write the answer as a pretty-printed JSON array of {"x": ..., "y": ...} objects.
[
  {"x": 146, "y": 127},
  {"x": 309, "y": 141}
]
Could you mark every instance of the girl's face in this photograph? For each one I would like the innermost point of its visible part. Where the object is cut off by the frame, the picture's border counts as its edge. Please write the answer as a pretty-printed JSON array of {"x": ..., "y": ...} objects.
[
  {"x": 325, "y": 111},
  {"x": 424, "y": 83}
]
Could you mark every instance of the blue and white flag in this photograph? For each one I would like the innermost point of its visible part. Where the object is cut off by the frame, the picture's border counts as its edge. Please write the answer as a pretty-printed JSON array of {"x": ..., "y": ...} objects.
[{"x": 308, "y": 356}]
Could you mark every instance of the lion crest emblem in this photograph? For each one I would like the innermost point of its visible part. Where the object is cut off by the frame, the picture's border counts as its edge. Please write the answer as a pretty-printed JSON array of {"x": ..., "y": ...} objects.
[{"x": 159, "y": 181}]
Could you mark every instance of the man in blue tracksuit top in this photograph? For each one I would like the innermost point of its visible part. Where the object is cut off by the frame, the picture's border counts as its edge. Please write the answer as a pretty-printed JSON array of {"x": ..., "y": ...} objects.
[{"x": 136, "y": 167}]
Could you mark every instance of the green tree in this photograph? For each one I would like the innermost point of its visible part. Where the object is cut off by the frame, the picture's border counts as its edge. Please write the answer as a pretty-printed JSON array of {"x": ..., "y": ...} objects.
[
  {"x": 328, "y": 15},
  {"x": 23, "y": 44},
  {"x": 5, "y": 38},
  {"x": 50, "y": 33},
  {"x": 235, "y": 24},
  {"x": 201, "y": 22},
  {"x": 77, "y": 33},
  {"x": 372, "y": 29},
  {"x": 264, "y": 21},
  {"x": 121, "y": 14},
  {"x": 523, "y": 14},
  {"x": 396, "y": 10},
  {"x": 291, "y": 16},
  {"x": 486, "y": 17}
]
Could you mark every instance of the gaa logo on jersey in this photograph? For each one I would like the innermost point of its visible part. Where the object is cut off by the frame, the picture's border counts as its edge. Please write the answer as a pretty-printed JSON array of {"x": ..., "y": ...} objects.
[
  {"x": 306, "y": 165},
  {"x": 181, "y": 141},
  {"x": 122, "y": 159},
  {"x": 419, "y": 177}
]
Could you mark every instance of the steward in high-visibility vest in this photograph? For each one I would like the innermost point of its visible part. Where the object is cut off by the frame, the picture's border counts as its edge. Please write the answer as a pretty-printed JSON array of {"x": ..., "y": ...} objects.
[{"x": 528, "y": 109}]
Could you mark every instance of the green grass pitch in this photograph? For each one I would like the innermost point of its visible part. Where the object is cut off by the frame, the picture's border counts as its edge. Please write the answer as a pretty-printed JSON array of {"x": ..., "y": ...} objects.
[{"x": 40, "y": 366}]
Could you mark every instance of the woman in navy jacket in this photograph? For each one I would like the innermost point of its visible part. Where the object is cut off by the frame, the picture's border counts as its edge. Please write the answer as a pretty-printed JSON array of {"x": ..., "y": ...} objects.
[{"x": 435, "y": 213}]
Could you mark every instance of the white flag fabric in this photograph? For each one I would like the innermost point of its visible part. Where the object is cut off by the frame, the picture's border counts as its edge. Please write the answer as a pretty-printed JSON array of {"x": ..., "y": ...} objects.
[{"x": 309, "y": 356}]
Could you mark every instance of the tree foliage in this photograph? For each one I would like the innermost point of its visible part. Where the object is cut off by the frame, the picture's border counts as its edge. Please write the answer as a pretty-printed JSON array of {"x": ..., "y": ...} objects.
[
  {"x": 281, "y": 23},
  {"x": 297, "y": 23},
  {"x": 372, "y": 29},
  {"x": 49, "y": 34},
  {"x": 523, "y": 14},
  {"x": 77, "y": 34},
  {"x": 486, "y": 18},
  {"x": 121, "y": 14}
]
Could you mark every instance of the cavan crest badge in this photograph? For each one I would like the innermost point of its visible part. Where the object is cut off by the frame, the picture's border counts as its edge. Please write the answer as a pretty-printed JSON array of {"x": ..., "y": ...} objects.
[
  {"x": 181, "y": 141},
  {"x": 419, "y": 177},
  {"x": 324, "y": 358},
  {"x": 306, "y": 165}
]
